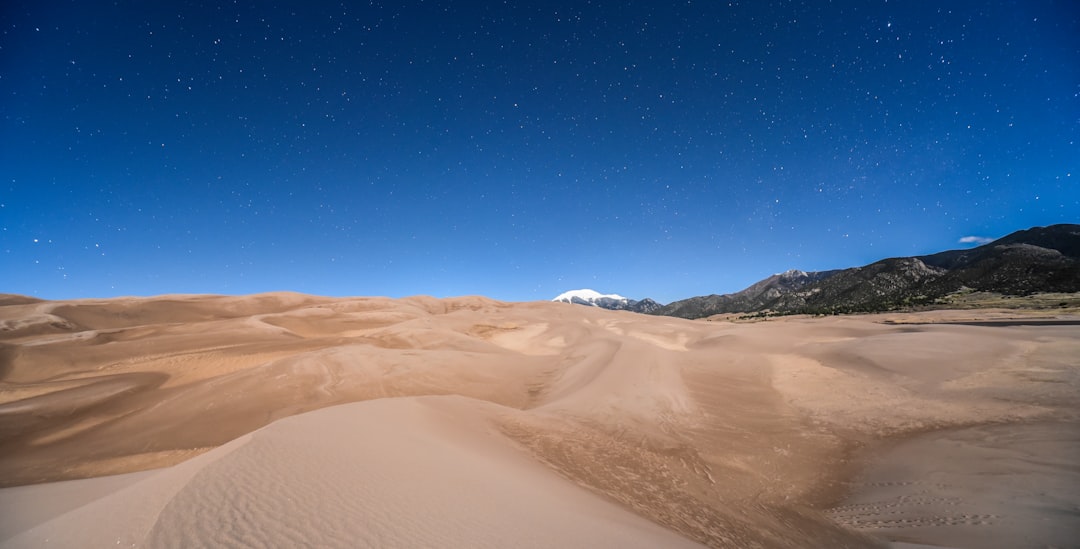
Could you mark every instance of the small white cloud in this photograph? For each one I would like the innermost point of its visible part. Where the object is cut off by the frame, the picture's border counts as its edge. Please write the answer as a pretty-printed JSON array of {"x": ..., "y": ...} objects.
[{"x": 976, "y": 240}]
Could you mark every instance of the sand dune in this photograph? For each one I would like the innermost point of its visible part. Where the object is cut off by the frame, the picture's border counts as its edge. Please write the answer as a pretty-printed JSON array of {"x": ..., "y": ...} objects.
[
  {"x": 407, "y": 472},
  {"x": 285, "y": 419}
]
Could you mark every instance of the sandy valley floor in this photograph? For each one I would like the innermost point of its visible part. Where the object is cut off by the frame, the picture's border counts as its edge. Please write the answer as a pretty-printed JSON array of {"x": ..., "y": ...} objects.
[{"x": 283, "y": 420}]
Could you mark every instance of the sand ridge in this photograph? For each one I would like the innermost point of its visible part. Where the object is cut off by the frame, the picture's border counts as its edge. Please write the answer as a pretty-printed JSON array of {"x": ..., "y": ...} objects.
[{"x": 720, "y": 433}]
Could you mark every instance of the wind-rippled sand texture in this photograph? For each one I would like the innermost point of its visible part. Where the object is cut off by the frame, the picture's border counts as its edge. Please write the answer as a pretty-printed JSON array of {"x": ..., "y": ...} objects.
[{"x": 474, "y": 423}]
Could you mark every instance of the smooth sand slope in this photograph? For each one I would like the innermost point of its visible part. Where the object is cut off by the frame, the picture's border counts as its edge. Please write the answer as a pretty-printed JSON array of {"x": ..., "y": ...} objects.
[{"x": 475, "y": 423}]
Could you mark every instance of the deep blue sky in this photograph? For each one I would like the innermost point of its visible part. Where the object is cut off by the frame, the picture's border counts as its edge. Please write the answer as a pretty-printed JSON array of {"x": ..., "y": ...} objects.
[{"x": 520, "y": 149}]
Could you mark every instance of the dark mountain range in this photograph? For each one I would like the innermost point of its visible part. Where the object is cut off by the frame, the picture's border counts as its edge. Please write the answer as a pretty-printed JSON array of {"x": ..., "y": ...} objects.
[
  {"x": 1041, "y": 259},
  {"x": 646, "y": 306}
]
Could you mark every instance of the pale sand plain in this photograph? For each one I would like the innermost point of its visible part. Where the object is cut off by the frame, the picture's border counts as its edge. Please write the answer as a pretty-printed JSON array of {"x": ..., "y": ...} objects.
[{"x": 283, "y": 420}]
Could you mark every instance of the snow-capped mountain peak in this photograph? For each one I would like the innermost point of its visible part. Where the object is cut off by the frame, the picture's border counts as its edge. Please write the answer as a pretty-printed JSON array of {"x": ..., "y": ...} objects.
[
  {"x": 615, "y": 302},
  {"x": 591, "y": 296}
]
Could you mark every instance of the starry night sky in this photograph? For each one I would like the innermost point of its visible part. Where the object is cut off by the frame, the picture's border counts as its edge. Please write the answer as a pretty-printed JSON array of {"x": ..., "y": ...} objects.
[{"x": 520, "y": 149}]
